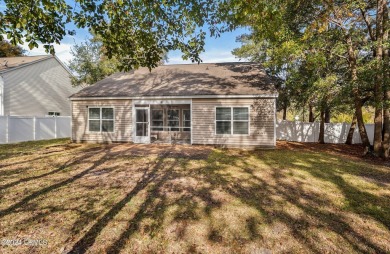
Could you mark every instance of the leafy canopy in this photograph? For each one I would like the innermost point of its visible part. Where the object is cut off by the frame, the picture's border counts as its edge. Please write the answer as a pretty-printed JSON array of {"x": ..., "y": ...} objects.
[
  {"x": 89, "y": 64},
  {"x": 136, "y": 32},
  {"x": 9, "y": 50}
]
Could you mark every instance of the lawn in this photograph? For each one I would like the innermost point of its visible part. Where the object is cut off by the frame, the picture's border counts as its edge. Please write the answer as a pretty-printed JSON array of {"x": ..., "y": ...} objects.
[{"x": 61, "y": 197}]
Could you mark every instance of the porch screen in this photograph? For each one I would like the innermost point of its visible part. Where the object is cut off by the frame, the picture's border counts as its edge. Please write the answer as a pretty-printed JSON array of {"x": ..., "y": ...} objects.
[
  {"x": 186, "y": 120},
  {"x": 173, "y": 119},
  {"x": 157, "y": 120}
]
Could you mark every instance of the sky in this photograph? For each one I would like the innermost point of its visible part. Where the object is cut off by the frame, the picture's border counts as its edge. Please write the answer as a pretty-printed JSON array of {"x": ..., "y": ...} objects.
[{"x": 216, "y": 49}]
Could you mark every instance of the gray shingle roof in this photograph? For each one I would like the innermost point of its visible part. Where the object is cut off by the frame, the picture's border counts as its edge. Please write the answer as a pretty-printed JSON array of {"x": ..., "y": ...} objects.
[
  {"x": 7, "y": 63},
  {"x": 185, "y": 80}
]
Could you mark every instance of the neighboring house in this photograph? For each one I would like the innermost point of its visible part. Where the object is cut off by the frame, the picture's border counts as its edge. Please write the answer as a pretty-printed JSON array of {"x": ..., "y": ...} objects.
[
  {"x": 228, "y": 104},
  {"x": 34, "y": 86}
]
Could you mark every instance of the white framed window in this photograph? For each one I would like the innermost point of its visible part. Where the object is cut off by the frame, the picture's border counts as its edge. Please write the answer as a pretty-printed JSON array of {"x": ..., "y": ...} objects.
[
  {"x": 52, "y": 113},
  {"x": 232, "y": 120},
  {"x": 186, "y": 119},
  {"x": 157, "y": 119},
  {"x": 101, "y": 119},
  {"x": 173, "y": 119}
]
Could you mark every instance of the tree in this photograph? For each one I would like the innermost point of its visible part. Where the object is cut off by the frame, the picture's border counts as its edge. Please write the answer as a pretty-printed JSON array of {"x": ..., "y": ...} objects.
[
  {"x": 8, "y": 50},
  {"x": 90, "y": 64},
  {"x": 137, "y": 33},
  {"x": 362, "y": 27}
]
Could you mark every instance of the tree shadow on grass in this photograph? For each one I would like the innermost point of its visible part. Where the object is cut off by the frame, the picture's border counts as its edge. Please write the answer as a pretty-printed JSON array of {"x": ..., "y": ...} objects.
[
  {"x": 155, "y": 175},
  {"x": 167, "y": 184},
  {"x": 257, "y": 194},
  {"x": 359, "y": 201},
  {"x": 74, "y": 161}
]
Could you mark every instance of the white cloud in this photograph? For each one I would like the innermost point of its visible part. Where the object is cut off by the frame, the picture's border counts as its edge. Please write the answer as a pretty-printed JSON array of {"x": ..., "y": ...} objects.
[{"x": 62, "y": 51}]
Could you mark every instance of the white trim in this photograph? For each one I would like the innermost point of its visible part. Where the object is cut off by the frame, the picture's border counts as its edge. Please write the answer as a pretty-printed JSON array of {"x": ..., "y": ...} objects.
[
  {"x": 35, "y": 128},
  {"x": 232, "y": 120},
  {"x": 161, "y": 102},
  {"x": 55, "y": 126},
  {"x": 7, "y": 130},
  {"x": 275, "y": 122},
  {"x": 71, "y": 122},
  {"x": 183, "y": 121},
  {"x": 148, "y": 99},
  {"x": 140, "y": 139},
  {"x": 101, "y": 119},
  {"x": 192, "y": 124}
]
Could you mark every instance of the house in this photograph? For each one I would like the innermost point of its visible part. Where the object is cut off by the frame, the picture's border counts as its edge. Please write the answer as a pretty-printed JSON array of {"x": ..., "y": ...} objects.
[
  {"x": 35, "y": 86},
  {"x": 227, "y": 104}
]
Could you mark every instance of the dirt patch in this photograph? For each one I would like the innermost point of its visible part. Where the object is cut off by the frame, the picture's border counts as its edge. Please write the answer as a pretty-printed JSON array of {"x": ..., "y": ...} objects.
[{"x": 166, "y": 150}]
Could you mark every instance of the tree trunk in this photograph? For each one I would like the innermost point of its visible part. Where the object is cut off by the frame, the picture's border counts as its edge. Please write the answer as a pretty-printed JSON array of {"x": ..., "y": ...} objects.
[
  {"x": 386, "y": 127},
  {"x": 321, "y": 138},
  {"x": 351, "y": 131},
  {"x": 327, "y": 115},
  {"x": 356, "y": 93},
  {"x": 360, "y": 122},
  {"x": 284, "y": 112},
  {"x": 311, "y": 114},
  {"x": 386, "y": 90},
  {"x": 378, "y": 92}
]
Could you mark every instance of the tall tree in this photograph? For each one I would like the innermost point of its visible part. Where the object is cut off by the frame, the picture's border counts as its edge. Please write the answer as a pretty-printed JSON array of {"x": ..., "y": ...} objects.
[
  {"x": 363, "y": 29},
  {"x": 89, "y": 64},
  {"x": 8, "y": 50}
]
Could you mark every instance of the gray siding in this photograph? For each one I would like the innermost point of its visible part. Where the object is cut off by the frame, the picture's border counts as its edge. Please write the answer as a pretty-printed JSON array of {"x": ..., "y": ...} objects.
[
  {"x": 122, "y": 124},
  {"x": 36, "y": 89},
  {"x": 262, "y": 123}
]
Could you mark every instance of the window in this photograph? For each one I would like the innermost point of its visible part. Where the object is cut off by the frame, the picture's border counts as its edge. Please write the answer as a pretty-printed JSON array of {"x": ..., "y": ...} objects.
[
  {"x": 173, "y": 119},
  {"x": 240, "y": 121},
  {"x": 232, "y": 120},
  {"x": 101, "y": 119},
  {"x": 223, "y": 120},
  {"x": 54, "y": 114},
  {"x": 186, "y": 120},
  {"x": 157, "y": 120}
]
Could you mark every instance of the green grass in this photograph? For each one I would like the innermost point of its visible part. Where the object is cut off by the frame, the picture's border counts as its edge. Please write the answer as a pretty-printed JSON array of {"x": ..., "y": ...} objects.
[{"x": 124, "y": 198}]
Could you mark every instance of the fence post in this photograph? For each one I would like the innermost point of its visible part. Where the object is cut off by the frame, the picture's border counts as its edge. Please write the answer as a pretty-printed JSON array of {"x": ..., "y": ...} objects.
[
  {"x": 55, "y": 126},
  {"x": 7, "y": 129},
  {"x": 35, "y": 128}
]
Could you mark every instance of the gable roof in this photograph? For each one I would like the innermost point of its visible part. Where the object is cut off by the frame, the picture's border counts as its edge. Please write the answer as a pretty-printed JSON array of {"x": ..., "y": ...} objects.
[
  {"x": 188, "y": 80},
  {"x": 8, "y": 63}
]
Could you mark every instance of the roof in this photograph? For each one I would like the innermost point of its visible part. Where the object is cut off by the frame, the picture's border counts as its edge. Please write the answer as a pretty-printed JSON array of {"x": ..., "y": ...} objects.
[
  {"x": 209, "y": 79},
  {"x": 8, "y": 63}
]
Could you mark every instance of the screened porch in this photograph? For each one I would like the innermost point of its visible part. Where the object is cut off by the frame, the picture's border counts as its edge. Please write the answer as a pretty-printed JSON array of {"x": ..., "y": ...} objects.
[{"x": 163, "y": 123}]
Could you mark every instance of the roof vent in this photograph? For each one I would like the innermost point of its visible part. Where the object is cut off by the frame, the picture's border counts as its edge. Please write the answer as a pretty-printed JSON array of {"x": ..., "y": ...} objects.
[{"x": 207, "y": 68}]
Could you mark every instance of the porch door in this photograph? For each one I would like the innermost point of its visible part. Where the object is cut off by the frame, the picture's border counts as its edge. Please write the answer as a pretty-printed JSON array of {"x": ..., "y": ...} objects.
[{"x": 141, "y": 126}]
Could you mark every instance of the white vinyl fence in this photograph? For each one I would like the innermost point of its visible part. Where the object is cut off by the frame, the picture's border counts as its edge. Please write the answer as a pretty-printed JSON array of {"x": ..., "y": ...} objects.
[
  {"x": 26, "y": 128},
  {"x": 335, "y": 133}
]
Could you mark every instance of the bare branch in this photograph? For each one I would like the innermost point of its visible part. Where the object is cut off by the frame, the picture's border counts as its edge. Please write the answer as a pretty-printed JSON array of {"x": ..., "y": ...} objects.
[{"x": 368, "y": 23}]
